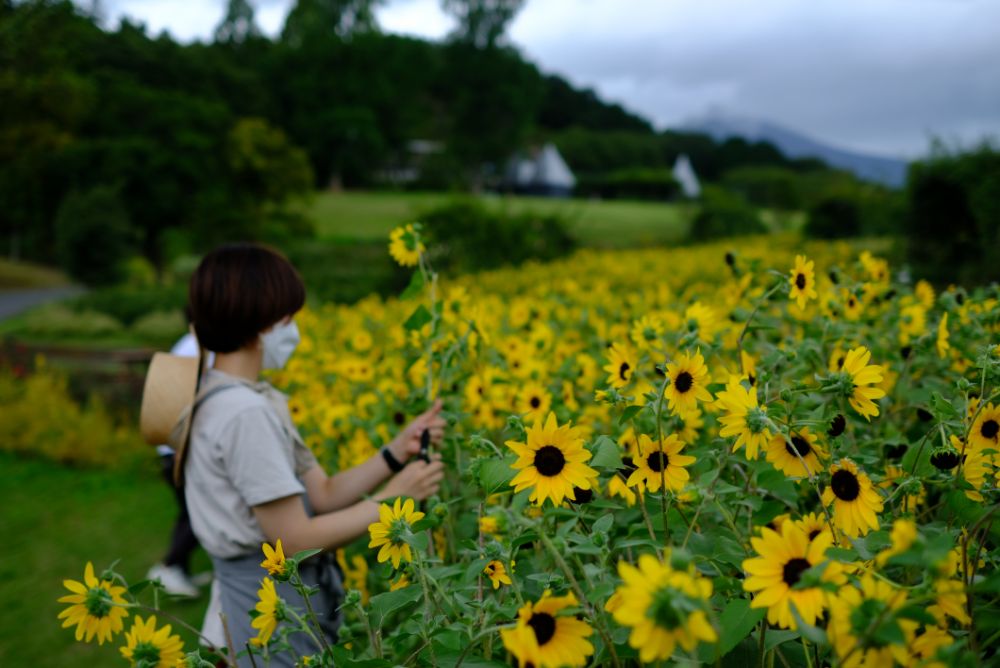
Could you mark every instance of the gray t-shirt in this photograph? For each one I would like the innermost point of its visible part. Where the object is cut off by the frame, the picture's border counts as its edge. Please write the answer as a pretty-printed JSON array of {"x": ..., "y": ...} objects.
[{"x": 244, "y": 451}]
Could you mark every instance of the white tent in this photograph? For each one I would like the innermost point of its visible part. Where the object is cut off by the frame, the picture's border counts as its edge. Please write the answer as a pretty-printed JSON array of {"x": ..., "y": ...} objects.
[
  {"x": 685, "y": 177},
  {"x": 543, "y": 172}
]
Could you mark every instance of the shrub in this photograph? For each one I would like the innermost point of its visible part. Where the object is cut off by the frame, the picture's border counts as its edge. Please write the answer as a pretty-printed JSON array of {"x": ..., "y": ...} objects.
[
  {"x": 41, "y": 418},
  {"x": 638, "y": 183},
  {"x": 57, "y": 321},
  {"x": 772, "y": 187},
  {"x": 724, "y": 214},
  {"x": 953, "y": 217},
  {"x": 160, "y": 328},
  {"x": 128, "y": 304},
  {"x": 834, "y": 218},
  {"x": 93, "y": 236},
  {"x": 468, "y": 236}
]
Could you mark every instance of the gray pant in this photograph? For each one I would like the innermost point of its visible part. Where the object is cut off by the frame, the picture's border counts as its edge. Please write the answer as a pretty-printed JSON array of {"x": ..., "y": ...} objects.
[{"x": 240, "y": 578}]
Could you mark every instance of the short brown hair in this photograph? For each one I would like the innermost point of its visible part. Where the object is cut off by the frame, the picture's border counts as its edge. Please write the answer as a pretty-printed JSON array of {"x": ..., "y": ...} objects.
[{"x": 238, "y": 291}]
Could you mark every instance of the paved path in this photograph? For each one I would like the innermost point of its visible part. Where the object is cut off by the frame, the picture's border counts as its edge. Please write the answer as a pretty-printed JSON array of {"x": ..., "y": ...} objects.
[{"x": 13, "y": 302}]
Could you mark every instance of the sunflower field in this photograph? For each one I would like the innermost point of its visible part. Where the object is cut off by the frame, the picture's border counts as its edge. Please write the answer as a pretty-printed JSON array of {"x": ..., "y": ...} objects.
[{"x": 755, "y": 452}]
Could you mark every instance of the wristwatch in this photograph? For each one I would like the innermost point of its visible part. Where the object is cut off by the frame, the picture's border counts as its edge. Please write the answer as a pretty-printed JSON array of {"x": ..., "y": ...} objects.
[{"x": 394, "y": 464}]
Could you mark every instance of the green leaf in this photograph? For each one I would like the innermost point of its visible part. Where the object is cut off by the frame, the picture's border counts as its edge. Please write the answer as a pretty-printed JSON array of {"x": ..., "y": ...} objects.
[
  {"x": 138, "y": 587},
  {"x": 342, "y": 659},
  {"x": 917, "y": 613},
  {"x": 943, "y": 409},
  {"x": 629, "y": 413},
  {"x": 471, "y": 661},
  {"x": 607, "y": 454},
  {"x": 420, "y": 317},
  {"x": 495, "y": 474},
  {"x": 304, "y": 554},
  {"x": 603, "y": 523},
  {"x": 775, "y": 637},
  {"x": 813, "y": 634},
  {"x": 736, "y": 622},
  {"x": 383, "y": 605},
  {"x": 415, "y": 287}
]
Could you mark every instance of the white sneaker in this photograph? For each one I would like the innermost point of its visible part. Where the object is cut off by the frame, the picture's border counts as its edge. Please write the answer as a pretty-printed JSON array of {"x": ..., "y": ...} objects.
[{"x": 174, "y": 580}]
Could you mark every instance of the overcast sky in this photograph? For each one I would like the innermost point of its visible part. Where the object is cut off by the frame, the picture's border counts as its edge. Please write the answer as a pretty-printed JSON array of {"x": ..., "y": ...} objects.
[{"x": 881, "y": 76}]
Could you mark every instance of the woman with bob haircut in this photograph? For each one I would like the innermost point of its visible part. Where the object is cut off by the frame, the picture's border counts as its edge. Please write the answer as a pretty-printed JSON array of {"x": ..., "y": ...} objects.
[{"x": 248, "y": 476}]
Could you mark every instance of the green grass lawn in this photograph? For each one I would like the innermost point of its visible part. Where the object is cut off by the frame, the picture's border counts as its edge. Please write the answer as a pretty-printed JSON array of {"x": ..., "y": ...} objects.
[
  {"x": 54, "y": 520},
  {"x": 369, "y": 216}
]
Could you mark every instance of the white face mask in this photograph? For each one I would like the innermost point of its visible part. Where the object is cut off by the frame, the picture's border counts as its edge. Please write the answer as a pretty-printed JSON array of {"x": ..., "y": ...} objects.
[{"x": 279, "y": 343}]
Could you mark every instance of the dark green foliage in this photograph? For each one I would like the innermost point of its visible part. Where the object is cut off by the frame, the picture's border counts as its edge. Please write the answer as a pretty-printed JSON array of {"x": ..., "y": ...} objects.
[
  {"x": 482, "y": 23},
  {"x": 93, "y": 236},
  {"x": 346, "y": 272},
  {"x": 953, "y": 217},
  {"x": 724, "y": 214},
  {"x": 834, "y": 218},
  {"x": 770, "y": 187},
  {"x": 637, "y": 183},
  {"x": 128, "y": 304},
  {"x": 468, "y": 236}
]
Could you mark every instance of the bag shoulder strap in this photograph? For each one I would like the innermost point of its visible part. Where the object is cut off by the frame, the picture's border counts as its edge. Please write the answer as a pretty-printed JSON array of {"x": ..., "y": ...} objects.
[{"x": 184, "y": 423}]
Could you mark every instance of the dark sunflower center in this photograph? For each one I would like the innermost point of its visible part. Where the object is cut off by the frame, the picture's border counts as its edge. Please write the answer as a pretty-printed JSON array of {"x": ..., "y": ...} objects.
[
  {"x": 814, "y": 533},
  {"x": 990, "y": 429},
  {"x": 398, "y": 417},
  {"x": 845, "y": 485},
  {"x": 800, "y": 445},
  {"x": 145, "y": 653},
  {"x": 684, "y": 381},
  {"x": 582, "y": 495},
  {"x": 800, "y": 281},
  {"x": 658, "y": 461},
  {"x": 794, "y": 569},
  {"x": 945, "y": 460},
  {"x": 837, "y": 425},
  {"x": 549, "y": 460},
  {"x": 623, "y": 371},
  {"x": 98, "y": 602},
  {"x": 544, "y": 626},
  {"x": 535, "y": 402}
]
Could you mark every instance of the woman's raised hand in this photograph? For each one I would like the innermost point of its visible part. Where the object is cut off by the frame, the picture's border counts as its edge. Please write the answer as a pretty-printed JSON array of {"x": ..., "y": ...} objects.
[
  {"x": 419, "y": 480},
  {"x": 407, "y": 443}
]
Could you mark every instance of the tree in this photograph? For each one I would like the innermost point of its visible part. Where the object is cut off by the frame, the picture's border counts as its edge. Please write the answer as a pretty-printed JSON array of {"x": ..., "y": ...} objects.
[
  {"x": 238, "y": 23},
  {"x": 482, "y": 23},
  {"x": 93, "y": 236},
  {"x": 321, "y": 19}
]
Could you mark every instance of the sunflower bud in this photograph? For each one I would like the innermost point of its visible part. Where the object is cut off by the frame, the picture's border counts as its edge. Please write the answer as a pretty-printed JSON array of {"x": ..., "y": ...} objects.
[{"x": 944, "y": 459}]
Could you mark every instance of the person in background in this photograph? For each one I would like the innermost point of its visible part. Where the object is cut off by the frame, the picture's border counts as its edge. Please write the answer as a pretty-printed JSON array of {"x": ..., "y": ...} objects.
[{"x": 174, "y": 572}]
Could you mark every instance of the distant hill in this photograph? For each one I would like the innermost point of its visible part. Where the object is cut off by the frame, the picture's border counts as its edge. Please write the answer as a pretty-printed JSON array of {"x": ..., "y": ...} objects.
[{"x": 888, "y": 171}]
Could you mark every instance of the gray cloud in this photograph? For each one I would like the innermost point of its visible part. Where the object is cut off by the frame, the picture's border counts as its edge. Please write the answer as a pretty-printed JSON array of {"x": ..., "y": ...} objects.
[{"x": 875, "y": 75}]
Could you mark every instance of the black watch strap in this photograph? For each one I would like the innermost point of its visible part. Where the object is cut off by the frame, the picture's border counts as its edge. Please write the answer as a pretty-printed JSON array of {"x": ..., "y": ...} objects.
[{"x": 394, "y": 464}]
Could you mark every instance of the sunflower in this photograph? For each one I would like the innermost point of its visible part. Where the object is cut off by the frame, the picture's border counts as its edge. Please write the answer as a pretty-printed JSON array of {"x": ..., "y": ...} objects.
[
  {"x": 942, "y": 337},
  {"x": 802, "y": 281},
  {"x": 405, "y": 246},
  {"x": 688, "y": 378},
  {"x": 646, "y": 331},
  {"x": 774, "y": 574},
  {"x": 813, "y": 524},
  {"x": 620, "y": 366},
  {"x": 662, "y": 606},
  {"x": 912, "y": 323},
  {"x": 552, "y": 462},
  {"x": 660, "y": 464},
  {"x": 152, "y": 647},
  {"x": 863, "y": 624},
  {"x": 270, "y": 609},
  {"x": 856, "y": 503},
  {"x": 392, "y": 530},
  {"x": 497, "y": 573},
  {"x": 97, "y": 607},
  {"x": 853, "y": 307},
  {"x": 861, "y": 375},
  {"x": 985, "y": 431},
  {"x": 902, "y": 536},
  {"x": 533, "y": 401},
  {"x": 797, "y": 457},
  {"x": 274, "y": 560},
  {"x": 744, "y": 418},
  {"x": 546, "y": 639},
  {"x": 618, "y": 487}
]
